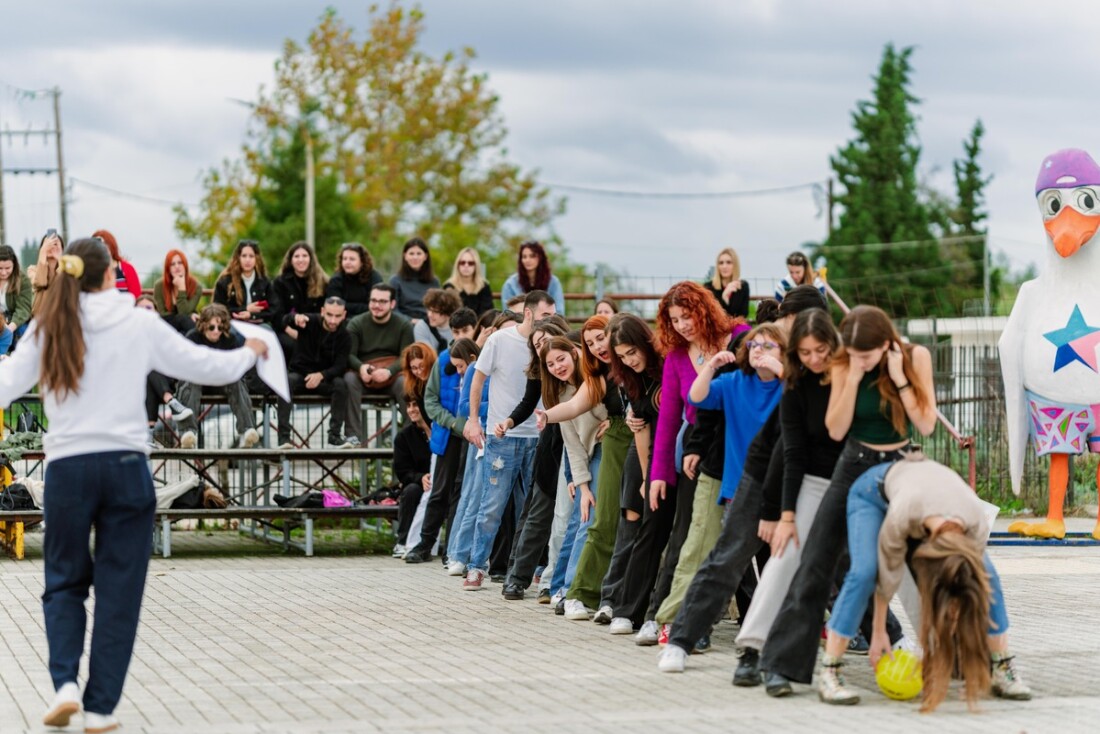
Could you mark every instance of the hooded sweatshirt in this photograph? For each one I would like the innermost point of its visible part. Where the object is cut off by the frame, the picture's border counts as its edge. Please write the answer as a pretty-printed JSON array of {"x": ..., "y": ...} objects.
[{"x": 123, "y": 345}]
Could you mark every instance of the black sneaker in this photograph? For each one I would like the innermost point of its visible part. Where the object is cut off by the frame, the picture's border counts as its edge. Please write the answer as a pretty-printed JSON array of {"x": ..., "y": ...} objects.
[
  {"x": 498, "y": 578},
  {"x": 777, "y": 686},
  {"x": 544, "y": 598},
  {"x": 417, "y": 555},
  {"x": 560, "y": 608},
  {"x": 336, "y": 441},
  {"x": 858, "y": 645},
  {"x": 748, "y": 669},
  {"x": 702, "y": 645},
  {"x": 512, "y": 592}
]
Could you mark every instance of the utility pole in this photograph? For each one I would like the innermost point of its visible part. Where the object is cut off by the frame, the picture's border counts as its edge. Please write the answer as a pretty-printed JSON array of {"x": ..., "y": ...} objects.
[
  {"x": 60, "y": 163},
  {"x": 59, "y": 170},
  {"x": 986, "y": 276},
  {"x": 829, "y": 205}
]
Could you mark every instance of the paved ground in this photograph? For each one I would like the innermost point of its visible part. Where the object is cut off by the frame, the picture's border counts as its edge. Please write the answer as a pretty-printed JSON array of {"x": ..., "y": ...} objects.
[{"x": 238, "y": 639}]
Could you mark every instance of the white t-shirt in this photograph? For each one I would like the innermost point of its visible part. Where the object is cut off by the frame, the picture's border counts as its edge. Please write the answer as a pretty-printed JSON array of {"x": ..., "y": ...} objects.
[
  {"x": 248, "y": 287},
  {"x": 505, "y": 358}
]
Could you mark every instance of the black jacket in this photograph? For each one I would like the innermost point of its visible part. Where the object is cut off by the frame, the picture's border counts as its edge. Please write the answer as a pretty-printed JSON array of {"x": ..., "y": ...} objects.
[
  {"x": 261, "y": 290},
  {"x": 480, "y": 302},
  {"x": 321, "y": 351},
  {"x": 411, "y": 456},
  {"x": 354, "y": 293},
  {"x": 290, "y": 292}
]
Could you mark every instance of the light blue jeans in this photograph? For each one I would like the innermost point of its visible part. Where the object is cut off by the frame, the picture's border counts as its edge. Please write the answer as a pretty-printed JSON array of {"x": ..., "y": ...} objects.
[
  {"x": 462, "y": 539},
  {"x": 506, "y": 471},
  {"x": 576, "y": 532},
  {"x": 866, "y": 510}
]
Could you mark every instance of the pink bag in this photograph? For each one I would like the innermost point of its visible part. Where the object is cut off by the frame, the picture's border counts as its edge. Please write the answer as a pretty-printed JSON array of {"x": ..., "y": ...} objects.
[{"x": 333, "y": 498}]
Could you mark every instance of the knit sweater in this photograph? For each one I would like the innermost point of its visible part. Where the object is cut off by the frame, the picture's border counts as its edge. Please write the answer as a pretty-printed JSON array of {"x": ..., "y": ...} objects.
[
  {"x": 410, "y": 295},
  {"x": 371, "y": 340}
]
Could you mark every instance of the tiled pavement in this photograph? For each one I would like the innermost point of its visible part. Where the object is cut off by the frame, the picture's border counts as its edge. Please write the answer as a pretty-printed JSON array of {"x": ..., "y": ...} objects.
[{"x": 249, "y": 641}]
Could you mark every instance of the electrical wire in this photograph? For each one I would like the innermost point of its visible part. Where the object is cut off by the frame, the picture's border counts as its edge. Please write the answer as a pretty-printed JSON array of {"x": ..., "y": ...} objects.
[{"x": 619, "y": 193}]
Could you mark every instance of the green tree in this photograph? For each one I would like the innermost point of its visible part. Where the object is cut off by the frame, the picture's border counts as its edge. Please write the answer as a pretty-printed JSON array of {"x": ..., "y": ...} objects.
[
  {"x": 882, "y": 250},
  {"x": 413, "y": 144}
]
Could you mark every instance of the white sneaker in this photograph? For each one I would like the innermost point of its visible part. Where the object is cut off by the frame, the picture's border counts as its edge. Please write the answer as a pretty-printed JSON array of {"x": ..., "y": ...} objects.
[
  {"x": 66, "y": 703},
  {"x": 621, "y": 626},
  {"x": 456, "y": 568},
  {"x": 249, "y": 438},
  {"x": 557, "y": 598},
  {"x": 647, "y": 635},
  {"x": 574, "y": 609},
  {"x": 100, "y": 723},
  {"x": 180, "y": 412},
  {"x": 188, "y": 440},
  {"x": 603, "y": 614},
  {"x": 671, "y": 659},
  {"x": 399, "y": 551}
]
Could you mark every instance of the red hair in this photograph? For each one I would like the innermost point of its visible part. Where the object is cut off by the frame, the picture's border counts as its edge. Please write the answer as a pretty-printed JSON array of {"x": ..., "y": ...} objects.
[
  {"x": 592, "y": 369},
  {"x": 166, "y": 278},
  {"x": 111, "y": 242},
  {"x": 712, "y": 324},
  {"x": 542, "y": 272}
]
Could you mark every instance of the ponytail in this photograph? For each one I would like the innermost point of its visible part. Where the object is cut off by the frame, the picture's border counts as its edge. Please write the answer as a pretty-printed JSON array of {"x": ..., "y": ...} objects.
[{"x": 59, "y": 329}]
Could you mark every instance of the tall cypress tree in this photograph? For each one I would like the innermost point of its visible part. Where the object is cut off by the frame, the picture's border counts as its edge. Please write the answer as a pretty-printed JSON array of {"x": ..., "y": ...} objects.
[
  {"x": 880, "y": 203},
  {"x": 968, "y": 218}
]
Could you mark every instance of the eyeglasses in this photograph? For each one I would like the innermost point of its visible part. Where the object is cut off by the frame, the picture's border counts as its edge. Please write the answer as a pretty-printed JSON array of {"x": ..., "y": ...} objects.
[
  {"x": 379, "y": 301},
  {"x": 796, "y": 261},
  {"x": 214, "y": 327},
  {"x": 750, "y": 345},
  {"x": 464, "y": 263}
]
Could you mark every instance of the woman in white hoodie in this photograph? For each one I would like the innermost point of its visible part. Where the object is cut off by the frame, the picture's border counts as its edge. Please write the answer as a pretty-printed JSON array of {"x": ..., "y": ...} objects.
[{"x": 89, "y": 351}]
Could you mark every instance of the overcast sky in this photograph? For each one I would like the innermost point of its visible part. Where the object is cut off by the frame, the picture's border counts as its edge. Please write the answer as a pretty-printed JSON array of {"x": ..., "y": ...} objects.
[{"x": 686, "y": 96}]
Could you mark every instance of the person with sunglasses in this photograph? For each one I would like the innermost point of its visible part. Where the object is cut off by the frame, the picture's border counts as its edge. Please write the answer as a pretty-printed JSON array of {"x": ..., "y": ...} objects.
[
  {"x": 799, "y": 272},
  {"x": 467, "y": 280},
  {"x": 212, "y": 331}
]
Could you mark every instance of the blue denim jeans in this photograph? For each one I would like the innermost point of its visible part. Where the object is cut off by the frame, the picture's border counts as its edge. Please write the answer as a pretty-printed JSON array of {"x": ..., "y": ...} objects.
[
  {"x": 866, "y": 511},
  {"x": 576, "y": 532},
  {"x": 112, "y": 492},
  {"x": 461, "y": 539},
  {"x": 506, "y": 470}
]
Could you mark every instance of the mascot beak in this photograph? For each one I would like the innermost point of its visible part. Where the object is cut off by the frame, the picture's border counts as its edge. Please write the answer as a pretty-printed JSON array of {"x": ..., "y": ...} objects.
[{"x": 1070, "y": 230}]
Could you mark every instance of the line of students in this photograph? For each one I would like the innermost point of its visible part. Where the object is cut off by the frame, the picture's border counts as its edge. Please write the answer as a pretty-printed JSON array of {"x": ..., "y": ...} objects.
[{"x": 655, "y": 535}]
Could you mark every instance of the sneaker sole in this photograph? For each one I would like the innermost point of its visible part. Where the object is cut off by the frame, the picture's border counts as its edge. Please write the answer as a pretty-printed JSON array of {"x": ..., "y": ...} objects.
[
  {"x": 576, "y": 616},
  {"x": 177, "y": 417},
  {"x": 645, "y": 642},
  {"x": 60, "y": 715},
  {"x": 621, "y": 631},
  {"x": 746, "y": 682},
  {"x": 779, "y": 692},
  {"x": 842, "y": 702},
  {"x": 670, "y": 669}
]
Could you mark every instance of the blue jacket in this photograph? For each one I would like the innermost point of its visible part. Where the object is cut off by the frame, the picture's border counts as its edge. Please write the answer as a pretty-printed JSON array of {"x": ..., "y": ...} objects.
[
  {"x": 441, "y": 403},
  {"x": 464, "y": 398}
]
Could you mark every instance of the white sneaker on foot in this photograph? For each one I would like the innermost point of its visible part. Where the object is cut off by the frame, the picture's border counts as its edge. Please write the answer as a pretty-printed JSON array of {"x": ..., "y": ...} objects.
[
  {"x": 188, "y": 440},
  {"x": 100, "y": 723},
  {"x": 647, "y": 635},
  {"x": 249, "y": 438},
  {"x": 557, "y": 598},
  {"x": 603, "y": 615},
  {"x": 66, "y": 703},
  {"x": 399, "y": 551},
  {"x": 671, "y": 659},
  {"x": 180, "y": 412},
  {"x": 621, "y": 626},
  {"x": 456, "y": 568},
  {"x": 574, "y": 609}
]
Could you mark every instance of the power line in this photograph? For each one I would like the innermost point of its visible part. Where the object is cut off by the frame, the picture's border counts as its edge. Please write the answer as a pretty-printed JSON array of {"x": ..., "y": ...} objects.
[
  {"x": 129, "y": 194},
  {"x": 619, "y": 193},
  {"x": 877, "y": 246}
]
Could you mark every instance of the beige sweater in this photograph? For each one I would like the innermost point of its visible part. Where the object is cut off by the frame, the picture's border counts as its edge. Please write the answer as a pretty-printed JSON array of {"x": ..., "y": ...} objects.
[
  {"x": 579, "y": 435},
  {"x": 918, "y": 488}
]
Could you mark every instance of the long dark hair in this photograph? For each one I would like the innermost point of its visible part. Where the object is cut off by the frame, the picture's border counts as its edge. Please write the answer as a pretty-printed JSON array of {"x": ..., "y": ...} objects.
[
  {"x": 424, "y": 275},
  {"x": 316, "y": 280},
  {"x": 7, "y": 255},
  {"x": 542, "y": 272},
  {"x": 59, "y": 330},
  {"x": 550, "y": 329},
  {"x": 626, "y": 328},
  {"x": 813, "y": 323},
  {"x": 366, "y": 262},
  {"x": 233, "y": 269}
]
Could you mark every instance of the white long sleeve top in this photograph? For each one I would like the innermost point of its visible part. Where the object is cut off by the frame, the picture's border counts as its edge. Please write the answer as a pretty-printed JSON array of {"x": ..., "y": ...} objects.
[{"x": 123, "y": 345}]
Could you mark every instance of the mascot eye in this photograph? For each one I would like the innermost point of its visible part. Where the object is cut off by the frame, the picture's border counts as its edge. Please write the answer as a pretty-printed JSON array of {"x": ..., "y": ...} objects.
[
  {"x": 1085, "y": 200},
  {"x": 1050, "y": 203}
]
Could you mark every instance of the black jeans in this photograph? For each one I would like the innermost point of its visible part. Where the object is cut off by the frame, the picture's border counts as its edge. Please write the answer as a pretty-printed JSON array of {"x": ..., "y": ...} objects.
[
  {"x": 335, "y": 388},
  {"x": 645, "y": 562},
  {"x": 156, "y": 385},
  {"x": 625, "y": 535},
  {"x": 792, "y": 644},
  {"x": 406, "y": 510},
  {"x": 531, "y": 538},
  {"x": 446, "y": 489}
]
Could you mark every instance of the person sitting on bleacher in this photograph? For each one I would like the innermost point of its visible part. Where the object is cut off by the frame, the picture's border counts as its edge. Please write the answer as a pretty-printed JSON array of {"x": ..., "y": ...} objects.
[
  {"x": 318, "y": 366},
  {"x": 212, "y": 330},
  {"x": 435, "y": 329},
  {"x": 374, "y": 364},
  {"x": 412, "y": 461}
]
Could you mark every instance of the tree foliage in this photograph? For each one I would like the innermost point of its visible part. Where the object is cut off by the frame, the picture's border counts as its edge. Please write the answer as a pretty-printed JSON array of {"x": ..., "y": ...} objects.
[{"x": 405, "y": 145}]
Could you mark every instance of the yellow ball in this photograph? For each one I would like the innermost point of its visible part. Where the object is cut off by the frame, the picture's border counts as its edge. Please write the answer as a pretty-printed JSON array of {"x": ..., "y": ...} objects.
[{"x": 899, "y": 677}]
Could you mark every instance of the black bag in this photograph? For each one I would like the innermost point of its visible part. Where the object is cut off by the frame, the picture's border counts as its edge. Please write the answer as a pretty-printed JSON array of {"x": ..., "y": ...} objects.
[
  {"x": 189, "y": 500},
  {"x": 307, "y": 501},
  {"x": 28, "y": 422},
  {"x": 16, "y": 497}
]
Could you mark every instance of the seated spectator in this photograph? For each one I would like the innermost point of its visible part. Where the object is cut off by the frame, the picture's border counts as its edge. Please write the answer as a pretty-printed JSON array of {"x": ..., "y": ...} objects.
[
  {"x": 435, "y": 329},
  {"x": 467, "y": 280},
  {"x": 378, "y": 339},
  {"x": 412, "y": 461},
  {"x": 532, "y": 274},
  {"x": 606, "y": 307},
  {"x": 158, "y": 388},
  {"x": 243, "y": 287},
  {"x": 415, "y": 277},
  {"x": 126, "y": 278},
  {"x": 416, "y": 366},
  {"x": 212, "y": 330},
  {"x": 49, "y": 255},
  {"x": 16, "y": 292},
  {"x": 727, "y": 285},
  {"x": 177, "y": 294},
  {"x": 799, "y": 272},
  {"x": 299, "y": 287},
  {"x": 318, "y": 366},
  {"x": 354, "y": 277}
]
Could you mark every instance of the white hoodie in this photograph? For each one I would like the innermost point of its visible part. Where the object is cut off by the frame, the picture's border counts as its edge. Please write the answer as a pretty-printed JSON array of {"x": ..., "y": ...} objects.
[{"x": 123, "y": 345}]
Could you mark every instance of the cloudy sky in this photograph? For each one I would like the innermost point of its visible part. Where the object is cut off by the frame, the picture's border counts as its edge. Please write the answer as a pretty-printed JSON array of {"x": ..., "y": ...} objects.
[{"x": 686, "y": 96}]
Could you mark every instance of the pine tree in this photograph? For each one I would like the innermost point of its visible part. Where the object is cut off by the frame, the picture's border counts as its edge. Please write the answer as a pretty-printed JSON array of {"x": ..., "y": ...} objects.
[
  {"x": 880, "y": 203},
  {"x": 968, "y": 217}
]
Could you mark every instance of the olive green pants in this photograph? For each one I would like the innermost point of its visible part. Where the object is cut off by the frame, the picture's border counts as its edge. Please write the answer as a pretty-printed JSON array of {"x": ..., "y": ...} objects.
[{"x": 706, "y": 525}]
